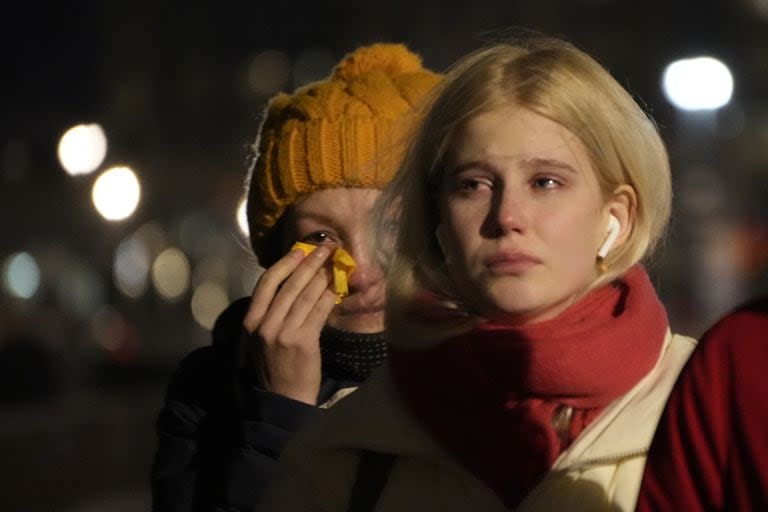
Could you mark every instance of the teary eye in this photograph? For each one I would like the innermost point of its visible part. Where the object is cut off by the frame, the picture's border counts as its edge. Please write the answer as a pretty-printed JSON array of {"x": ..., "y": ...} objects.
[
  {"x": 546, "y": 182},
  {"x": 318, "y": 237},
  {"x": 469, "y": 184},
  {"x": 472, "y": 184}
]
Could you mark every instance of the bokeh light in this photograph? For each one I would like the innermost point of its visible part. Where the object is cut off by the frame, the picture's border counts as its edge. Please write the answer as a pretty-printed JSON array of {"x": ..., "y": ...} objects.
[
  {"x": 269, "y": 72},
  {"x": 211, "y": 268},
  {"x": 116, "y": 193},
  {"x": 208, "y": 301},
  {"x": 21, "y": 275},
  {"x": 130, "y": 269},
  {"x": 242, "y": 218},
  {"x": 698, "y": 83},
  {"x": 82, "y": 149},
  {"x": 171, "y": 274}
]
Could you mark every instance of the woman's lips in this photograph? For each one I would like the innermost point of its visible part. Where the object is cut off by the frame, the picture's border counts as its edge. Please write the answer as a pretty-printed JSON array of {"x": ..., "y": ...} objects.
[{"x": 511, "y": 263}]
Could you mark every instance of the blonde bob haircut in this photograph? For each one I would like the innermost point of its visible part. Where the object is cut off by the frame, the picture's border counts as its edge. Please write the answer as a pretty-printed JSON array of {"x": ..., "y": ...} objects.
[{"x": 556, "y": 80}]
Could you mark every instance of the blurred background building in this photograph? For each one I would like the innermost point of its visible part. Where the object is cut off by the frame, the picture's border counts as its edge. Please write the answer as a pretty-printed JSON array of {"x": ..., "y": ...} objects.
[{"x": 123, "y": 148}]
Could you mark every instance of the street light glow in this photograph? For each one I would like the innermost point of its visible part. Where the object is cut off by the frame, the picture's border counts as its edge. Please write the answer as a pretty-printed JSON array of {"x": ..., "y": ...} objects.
[
  {"x": 242, "y": 218},
  {"x": 170, "y": 274},
  {"x": 698, "y": 83},
  {"x": 116, "y": 193},
  {"x": 131, "y": 267},
  {"x": 82, "y": 149},
  {"x": 208, "y": 301},
  {"x": 21, "y": 275}
]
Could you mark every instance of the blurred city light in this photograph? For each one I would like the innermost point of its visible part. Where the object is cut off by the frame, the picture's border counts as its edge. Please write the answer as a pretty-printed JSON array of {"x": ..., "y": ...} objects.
[
  {"x": 82, "y": 149},
  {"x": 211, "y": 268},
  {"x": 130, "y": 270},
  {"x": 242, "y": 218},
  {"x": 116, "y": 193},
  {"x": 269, "y": 72},
  {"x": 170, "y": 274},
  {"x": 698, "y": 83},
  {"x": 21, "y": 275},
  {"x": 208, "y": 301}
]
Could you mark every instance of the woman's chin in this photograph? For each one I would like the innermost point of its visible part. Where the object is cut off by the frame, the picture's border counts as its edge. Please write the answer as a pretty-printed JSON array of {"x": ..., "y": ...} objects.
[{"x": 523, "y": 312}]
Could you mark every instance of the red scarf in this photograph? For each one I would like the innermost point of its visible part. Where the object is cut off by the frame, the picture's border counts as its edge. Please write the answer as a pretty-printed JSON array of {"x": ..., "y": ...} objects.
[{"x": 488, "y": 396}]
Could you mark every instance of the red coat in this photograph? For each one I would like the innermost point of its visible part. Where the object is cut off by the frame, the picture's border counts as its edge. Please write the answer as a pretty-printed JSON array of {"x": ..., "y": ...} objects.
[{"x": 710, "y": 451}]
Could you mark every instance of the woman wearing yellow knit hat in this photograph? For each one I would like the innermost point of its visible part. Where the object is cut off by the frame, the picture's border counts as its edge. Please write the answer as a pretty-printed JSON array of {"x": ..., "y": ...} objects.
[{"x": 301, "y": 341}]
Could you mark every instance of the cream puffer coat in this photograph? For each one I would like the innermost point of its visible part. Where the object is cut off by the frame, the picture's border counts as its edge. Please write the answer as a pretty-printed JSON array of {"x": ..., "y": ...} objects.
[{"x": 600, "y": 471}]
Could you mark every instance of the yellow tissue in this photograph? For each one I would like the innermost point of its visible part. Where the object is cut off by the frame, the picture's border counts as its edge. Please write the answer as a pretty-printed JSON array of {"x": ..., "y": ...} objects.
[
  {"x": 306, "y": 248},
  {"x": 343, "y": 266}
]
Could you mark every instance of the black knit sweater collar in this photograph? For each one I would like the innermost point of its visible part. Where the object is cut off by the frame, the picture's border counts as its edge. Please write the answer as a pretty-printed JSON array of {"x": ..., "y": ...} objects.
[{"x": 350, "y": 355}]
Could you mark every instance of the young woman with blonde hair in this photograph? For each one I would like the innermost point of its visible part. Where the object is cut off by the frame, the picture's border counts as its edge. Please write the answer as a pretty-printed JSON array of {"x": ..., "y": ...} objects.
[{"x": 529, "y": 356}]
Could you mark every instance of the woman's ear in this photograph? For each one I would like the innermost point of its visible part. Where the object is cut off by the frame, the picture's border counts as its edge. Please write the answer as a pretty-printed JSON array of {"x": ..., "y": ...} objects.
[
  {"x": 611, "y": 234},
  {"x": 623, "y": 206}
]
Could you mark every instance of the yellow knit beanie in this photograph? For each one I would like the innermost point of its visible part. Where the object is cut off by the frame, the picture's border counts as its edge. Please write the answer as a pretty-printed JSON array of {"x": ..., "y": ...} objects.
[{"x": 348, "y": 130}]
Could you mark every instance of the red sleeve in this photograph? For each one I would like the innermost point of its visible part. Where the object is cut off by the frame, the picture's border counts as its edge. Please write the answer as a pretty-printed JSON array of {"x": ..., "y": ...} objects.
[{"x": 711, "y": 447}]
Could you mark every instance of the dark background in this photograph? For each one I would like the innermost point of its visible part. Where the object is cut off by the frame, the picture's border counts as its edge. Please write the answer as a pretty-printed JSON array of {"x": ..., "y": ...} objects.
[{"x": 178, "y": 89}]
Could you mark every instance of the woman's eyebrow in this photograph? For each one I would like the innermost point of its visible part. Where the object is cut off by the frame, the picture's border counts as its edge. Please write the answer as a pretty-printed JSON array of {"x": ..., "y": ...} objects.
[
  {"x": 533, "y": 163},
  {"x": 537, "y": 163},
  {"x": 471, "y": 164},
  {"x": 315, "y": 216}
]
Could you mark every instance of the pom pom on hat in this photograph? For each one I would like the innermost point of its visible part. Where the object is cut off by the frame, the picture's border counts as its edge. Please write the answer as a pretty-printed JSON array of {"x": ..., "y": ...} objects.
[
  {"x": 391, "y": 59},
  {"x": 346, "y": 131}
]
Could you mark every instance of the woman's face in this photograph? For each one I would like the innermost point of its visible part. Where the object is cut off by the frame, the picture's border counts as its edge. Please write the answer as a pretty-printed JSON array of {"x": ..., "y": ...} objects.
[
  {"x": 522, "y": 216},
  {"x": 339, "y": 217}
]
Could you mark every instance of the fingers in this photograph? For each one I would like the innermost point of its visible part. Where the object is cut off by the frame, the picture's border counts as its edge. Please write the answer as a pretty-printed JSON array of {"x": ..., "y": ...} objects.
[
  {"x": 304, "y": 286},
  {"x": 289, "y": 310},
  {"x": 267, "y": 287},
  {"x": 280, "y": 284},
  {"x": 289, "y": 306},
  {"x": 317, "y": 316},
  {"x": 292, "y": 346}
]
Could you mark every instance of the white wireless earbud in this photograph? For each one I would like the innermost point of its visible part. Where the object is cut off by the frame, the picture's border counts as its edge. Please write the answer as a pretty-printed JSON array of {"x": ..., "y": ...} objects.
[{"x": 614, "y": 228}]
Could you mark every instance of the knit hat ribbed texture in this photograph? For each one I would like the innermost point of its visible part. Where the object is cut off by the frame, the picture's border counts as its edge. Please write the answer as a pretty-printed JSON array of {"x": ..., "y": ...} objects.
[{"x": 348, "y": 130}]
